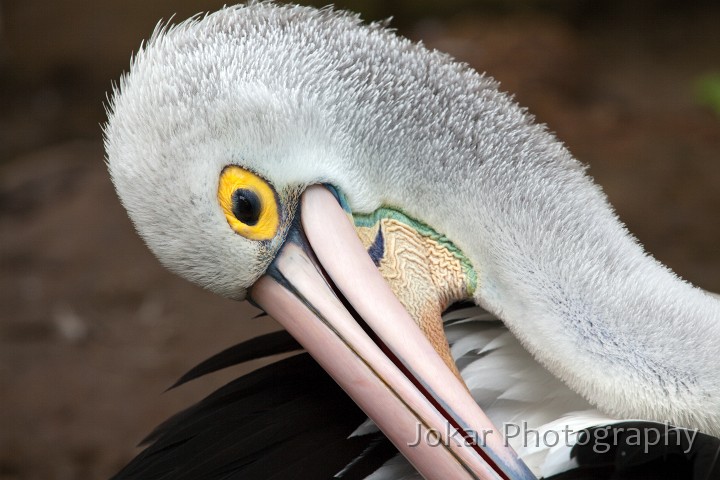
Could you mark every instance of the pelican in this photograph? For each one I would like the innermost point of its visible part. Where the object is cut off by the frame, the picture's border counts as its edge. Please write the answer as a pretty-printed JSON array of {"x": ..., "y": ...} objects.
[{"x": 354, "y": 185}]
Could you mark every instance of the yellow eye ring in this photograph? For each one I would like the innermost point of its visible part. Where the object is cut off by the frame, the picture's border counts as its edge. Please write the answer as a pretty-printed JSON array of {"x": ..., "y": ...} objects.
[{"x": 249, "y": 203}]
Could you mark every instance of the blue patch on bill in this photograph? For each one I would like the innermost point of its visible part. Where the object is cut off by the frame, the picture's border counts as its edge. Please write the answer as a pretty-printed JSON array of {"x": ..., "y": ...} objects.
[{"x": 377, "y": 249}]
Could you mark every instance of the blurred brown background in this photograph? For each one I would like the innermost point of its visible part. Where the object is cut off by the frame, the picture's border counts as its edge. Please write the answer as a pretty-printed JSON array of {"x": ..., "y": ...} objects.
[{"x": 92, "y": 329}]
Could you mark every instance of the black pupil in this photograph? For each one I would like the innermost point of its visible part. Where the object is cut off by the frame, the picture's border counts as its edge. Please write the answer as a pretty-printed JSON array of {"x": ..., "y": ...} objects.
[{"x": 246, "y": 206}]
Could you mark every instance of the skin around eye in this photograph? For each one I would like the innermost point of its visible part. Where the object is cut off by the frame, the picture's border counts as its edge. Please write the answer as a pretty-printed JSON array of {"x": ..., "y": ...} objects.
[{"x": 258, "y": 219}]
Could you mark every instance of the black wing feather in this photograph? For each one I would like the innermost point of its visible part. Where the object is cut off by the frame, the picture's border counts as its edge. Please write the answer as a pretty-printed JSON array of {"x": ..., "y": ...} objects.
[
  {"x": 262, "y": 346},
  {"x": 288, "y": 419},
  {"x": 613, "y": 453}
]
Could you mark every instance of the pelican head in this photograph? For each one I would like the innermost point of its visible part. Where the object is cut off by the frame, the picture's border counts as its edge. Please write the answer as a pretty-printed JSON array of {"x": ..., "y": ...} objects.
[{"x": 261, "y": 150}]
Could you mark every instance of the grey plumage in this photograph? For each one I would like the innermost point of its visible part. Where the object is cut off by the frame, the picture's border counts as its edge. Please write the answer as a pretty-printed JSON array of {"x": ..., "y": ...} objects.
[{"x": 304, "y": 96}]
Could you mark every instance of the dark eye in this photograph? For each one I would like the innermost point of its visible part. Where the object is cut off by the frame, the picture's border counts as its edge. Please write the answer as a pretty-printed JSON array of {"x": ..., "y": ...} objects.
[{"x": 246, "y": 206}]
